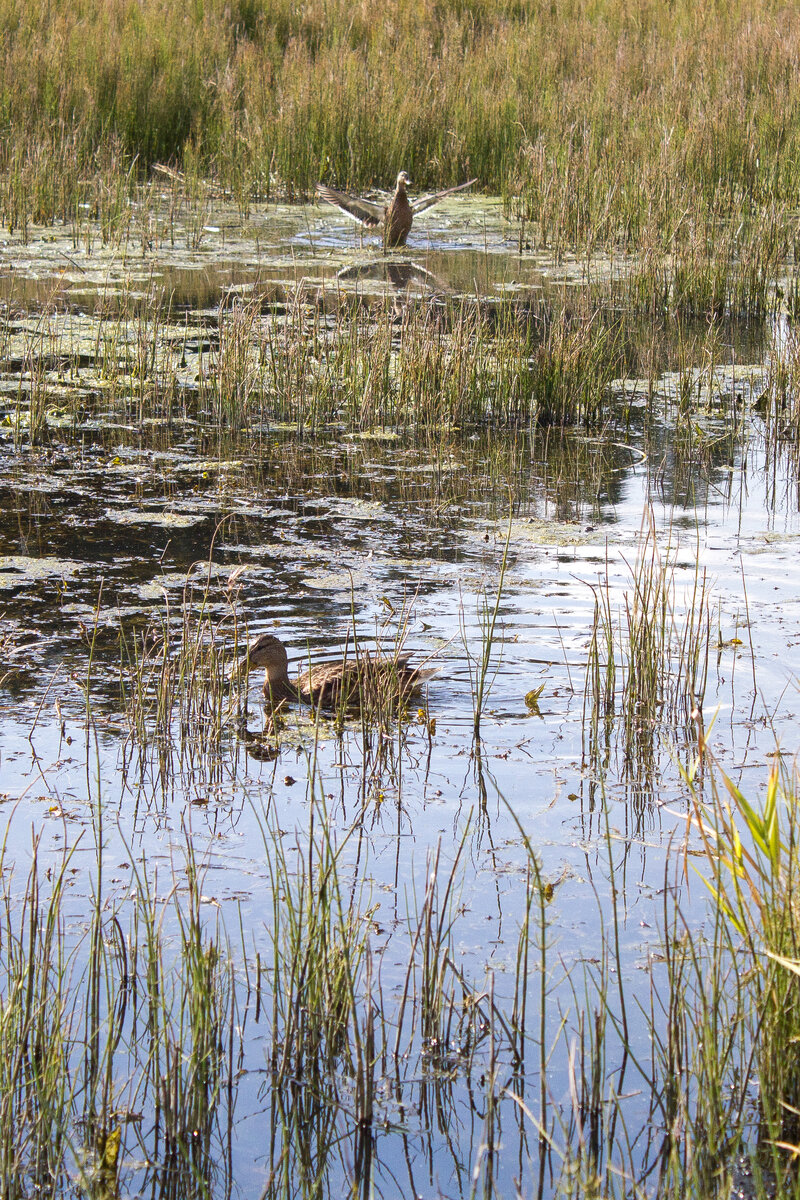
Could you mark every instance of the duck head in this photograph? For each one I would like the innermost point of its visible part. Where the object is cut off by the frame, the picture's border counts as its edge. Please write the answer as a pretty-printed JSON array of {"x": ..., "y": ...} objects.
[{"x": 270, "y": 653}]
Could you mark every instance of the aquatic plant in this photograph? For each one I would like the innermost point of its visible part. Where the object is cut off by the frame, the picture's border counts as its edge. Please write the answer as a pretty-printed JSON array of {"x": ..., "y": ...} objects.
[
  {"x": 750, "y": 848},
  {"x": 94, "y": 1020},
  {"x": 648, "y": 664}
]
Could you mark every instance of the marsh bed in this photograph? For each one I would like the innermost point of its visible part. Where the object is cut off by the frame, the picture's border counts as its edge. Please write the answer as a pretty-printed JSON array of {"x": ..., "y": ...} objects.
[{"x": 145, "y": 514}]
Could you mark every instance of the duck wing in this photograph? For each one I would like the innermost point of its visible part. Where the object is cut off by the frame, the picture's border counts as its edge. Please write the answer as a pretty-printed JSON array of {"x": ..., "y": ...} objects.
[
  {"x": 351, "y": 680},
  {"x": 325, "y": 682},
  {"x": 364, "y": 211},
  {"x": 424, "y": 202}
]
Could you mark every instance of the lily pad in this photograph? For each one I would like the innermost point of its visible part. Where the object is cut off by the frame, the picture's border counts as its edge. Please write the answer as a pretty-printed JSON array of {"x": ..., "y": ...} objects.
[
  {"x": 35, "y": 568},
  {"x": 337, "y": 581},
  {"x": 166, "y": 520}
]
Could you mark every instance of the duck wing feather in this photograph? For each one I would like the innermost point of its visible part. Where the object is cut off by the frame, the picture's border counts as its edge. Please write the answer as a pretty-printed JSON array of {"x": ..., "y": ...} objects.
[
  {"x": 418, "y": 206},
  {"x": 364, "y": 211},
  {"x": 327, "y": 683}
]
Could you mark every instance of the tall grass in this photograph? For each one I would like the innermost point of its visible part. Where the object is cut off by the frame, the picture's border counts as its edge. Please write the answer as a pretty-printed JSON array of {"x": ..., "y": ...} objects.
[
  {"x": 648, "y": 661},
  {"x": 612, "y": 124}
]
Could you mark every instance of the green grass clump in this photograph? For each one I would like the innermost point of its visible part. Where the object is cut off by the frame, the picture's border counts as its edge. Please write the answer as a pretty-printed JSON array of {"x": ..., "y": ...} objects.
[
  {"x": 648, "y": 662},
  {"x": 439, "y": 370},
  {"x": 752, "y": 850}
]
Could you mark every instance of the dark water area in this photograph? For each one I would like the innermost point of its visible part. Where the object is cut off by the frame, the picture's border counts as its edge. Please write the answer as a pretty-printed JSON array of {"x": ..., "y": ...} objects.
[{"x": 119, "y": 531}]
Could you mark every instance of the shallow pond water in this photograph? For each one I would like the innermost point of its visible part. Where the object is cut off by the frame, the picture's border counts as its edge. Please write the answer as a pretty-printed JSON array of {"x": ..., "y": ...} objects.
[{"x": 119, "y": 528}]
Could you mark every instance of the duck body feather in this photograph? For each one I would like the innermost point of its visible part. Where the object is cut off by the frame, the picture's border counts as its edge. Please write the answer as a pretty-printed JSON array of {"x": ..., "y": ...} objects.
[{"x": 352, "y": 680}]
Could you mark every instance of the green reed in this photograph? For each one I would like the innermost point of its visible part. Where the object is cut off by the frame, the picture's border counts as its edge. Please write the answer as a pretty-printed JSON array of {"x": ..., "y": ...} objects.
[
  {"x": 461, "y": 365},
  {"x": 479, "y": 663},
  {"x": 648, "y": 661},
  {"x": 458, "y": 365},
  {"x": 750, "y": 846}
]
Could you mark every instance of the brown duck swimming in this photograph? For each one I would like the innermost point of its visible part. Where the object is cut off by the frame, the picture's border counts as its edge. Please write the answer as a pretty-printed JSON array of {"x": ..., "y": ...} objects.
[
  {"x": 394, "y": 218},
  {"x": 348, "y": 681}
]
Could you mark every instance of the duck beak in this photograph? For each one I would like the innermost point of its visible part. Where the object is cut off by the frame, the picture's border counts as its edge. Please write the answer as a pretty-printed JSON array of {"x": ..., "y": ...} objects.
[{"x": 242, "y": 665}]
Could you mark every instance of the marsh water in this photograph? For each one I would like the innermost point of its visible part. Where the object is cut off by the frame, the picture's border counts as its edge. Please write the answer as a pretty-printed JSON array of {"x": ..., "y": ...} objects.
[{"x": 123, "y": 523}]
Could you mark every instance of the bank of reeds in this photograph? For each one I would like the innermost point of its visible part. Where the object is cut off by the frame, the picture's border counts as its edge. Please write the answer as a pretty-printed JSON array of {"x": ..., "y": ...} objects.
[
  {"x": 432, "y": 375},
  {"x": 460, "y": 365},
  {"x": 613, "y": 126},
  {"x": 315, "y": 360}
]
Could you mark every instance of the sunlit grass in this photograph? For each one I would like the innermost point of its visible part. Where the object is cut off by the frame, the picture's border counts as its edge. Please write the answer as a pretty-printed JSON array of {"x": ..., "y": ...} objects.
[
  {"x": 648, "y": 659},
  {"x": 669, "y": 129},
  {"x": 751, "y": 847}
]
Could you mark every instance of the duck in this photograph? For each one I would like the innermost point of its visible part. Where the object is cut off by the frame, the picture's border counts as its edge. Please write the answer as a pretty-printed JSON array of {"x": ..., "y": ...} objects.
[
  {"x": 348, "y": 681},
  {"x": 396, "y": 217}
]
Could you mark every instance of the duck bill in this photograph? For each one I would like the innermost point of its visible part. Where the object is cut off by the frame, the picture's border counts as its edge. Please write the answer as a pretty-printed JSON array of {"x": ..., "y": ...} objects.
[{"x": 241, "y": 667}]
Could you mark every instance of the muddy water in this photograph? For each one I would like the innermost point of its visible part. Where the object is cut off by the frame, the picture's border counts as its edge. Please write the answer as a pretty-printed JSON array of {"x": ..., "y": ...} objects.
[{"x": 116, "y": 525}]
